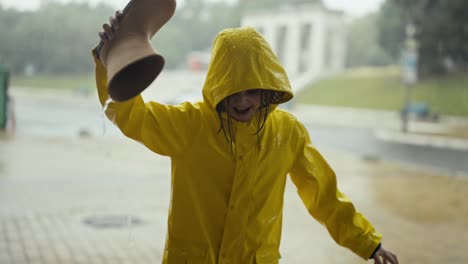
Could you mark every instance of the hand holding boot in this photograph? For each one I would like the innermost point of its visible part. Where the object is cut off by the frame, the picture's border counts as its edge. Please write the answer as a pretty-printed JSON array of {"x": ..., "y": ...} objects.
[
  {"x": 109, "y": 30},
  {"x": 125, "y": 49}
]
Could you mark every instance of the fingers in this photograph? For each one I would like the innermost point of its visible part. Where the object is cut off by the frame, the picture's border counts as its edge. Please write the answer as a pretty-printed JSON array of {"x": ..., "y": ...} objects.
[
  {"x": 118, "y": 14},
  {"x": 111, "y": 28},
  {"x": 107, "y": 34},
  {"x": 108, "y": 31},
  {"x": 393, "y": 258},
  {"x": 386, "y": 256},
  {"x": 389, "y": 257},
  {"x": 102, "y": 36},
  {"x": 115, "y": 20},
  {"x": 377, "y": 260}
]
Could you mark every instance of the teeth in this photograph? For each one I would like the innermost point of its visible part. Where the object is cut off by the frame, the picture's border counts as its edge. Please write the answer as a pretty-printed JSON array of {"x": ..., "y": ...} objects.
[{"x": 243, "y": 111}]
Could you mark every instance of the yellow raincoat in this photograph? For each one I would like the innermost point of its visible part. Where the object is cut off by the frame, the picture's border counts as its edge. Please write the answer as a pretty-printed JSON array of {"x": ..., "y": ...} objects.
[{"x": 227, "y": 203}]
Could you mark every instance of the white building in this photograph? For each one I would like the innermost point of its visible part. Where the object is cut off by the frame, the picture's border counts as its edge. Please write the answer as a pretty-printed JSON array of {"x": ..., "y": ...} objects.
[{"x": 310, "y": 40}]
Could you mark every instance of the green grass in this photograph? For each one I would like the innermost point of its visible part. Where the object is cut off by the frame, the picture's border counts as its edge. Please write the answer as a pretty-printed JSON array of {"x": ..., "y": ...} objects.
[
  {"x": 69, "y": 82},
  {"x": 381, "y": 88}
]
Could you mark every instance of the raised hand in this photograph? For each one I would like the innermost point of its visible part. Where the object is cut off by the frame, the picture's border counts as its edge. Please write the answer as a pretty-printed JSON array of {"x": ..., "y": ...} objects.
[{"x": 110, "y": 29}]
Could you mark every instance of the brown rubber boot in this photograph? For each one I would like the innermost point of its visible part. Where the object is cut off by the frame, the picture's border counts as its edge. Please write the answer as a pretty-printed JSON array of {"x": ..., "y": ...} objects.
[{"x": 131, "y": 62}]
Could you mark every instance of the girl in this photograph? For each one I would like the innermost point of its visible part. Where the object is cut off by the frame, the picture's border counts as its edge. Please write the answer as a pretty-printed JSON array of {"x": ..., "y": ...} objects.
[{"x": 231, "y": 154}]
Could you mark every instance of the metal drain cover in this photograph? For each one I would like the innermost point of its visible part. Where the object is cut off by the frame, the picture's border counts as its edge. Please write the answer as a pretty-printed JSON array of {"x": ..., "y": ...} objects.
[{"x": 112, "y": 221}]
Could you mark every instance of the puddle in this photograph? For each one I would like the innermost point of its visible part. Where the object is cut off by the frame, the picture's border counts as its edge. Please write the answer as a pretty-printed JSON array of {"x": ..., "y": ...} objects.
[
  {"x": 422, "y": 214},
  {"x": 424, "y": 198},
  {"x": 112, "y": 221}
]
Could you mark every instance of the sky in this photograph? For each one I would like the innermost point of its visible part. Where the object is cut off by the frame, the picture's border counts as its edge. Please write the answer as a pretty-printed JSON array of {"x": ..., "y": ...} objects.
[{"x": 354, "y": 8}]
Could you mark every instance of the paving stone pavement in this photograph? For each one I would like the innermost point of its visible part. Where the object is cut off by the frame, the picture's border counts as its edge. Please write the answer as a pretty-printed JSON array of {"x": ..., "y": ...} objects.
[
  {"x": 63, "y": 238},
  {"x": 50, "y": 187}
]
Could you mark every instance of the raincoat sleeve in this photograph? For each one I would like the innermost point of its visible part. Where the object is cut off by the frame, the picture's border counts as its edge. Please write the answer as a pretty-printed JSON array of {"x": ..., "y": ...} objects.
[
  {"x": 164, "y": 129},
  {"x": 317, "y": 187}
]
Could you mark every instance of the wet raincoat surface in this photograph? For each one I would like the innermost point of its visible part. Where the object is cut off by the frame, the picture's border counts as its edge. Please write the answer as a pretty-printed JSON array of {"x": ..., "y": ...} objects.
[{"x": 227, "y": 202}]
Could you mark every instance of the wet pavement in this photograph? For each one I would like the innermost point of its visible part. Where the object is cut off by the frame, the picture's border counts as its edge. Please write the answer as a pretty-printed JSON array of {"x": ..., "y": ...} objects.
[
  {"x": 52, "y": 188},
  {"x": 73, "y": 190}
]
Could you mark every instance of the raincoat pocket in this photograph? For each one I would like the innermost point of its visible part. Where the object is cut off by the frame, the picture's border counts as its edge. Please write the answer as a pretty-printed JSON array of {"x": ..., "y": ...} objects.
[
  {"x": 186, "y": 254},
  {"x": 267, "y": 256}
]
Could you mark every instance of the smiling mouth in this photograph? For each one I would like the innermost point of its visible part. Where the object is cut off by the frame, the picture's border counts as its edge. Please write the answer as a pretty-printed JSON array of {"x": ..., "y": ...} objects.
[{"x": 242, "y": 111}]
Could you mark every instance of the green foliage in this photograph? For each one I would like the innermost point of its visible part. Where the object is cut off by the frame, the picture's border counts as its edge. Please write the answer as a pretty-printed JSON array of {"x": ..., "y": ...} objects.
[
  {"x": 363, "y": 47},
  {"x": 57, "y": 38},
  {"x": 444, "y": 35},
  {"x": 9, "y": 38},
  {"x": 249, "y": 5},
  {"x": 391, "y": 29},
  {"x": 442, "y": 32}
]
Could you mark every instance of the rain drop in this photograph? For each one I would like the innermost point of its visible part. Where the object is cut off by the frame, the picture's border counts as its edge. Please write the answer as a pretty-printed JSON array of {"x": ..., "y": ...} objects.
[{"x": 104, "y": 108}]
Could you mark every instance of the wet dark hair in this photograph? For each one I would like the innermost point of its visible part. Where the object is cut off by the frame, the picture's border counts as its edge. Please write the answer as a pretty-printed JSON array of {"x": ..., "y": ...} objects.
[{"x": 265, "y": 107}]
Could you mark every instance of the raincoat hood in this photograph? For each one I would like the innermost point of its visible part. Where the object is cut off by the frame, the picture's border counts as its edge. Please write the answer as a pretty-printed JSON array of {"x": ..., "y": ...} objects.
[{"x": 241, "y": 59}]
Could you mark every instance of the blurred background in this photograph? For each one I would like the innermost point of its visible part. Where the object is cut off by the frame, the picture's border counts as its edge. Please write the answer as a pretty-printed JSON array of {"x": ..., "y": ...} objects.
[{"x": 381, "y": 85}]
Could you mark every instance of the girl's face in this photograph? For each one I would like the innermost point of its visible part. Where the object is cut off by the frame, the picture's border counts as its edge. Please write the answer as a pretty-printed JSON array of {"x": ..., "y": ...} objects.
[{"x": 242, "y": 106}]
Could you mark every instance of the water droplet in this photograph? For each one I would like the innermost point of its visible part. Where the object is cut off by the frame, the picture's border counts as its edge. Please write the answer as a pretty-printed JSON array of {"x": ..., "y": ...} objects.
[
  {"x": 104, "y": 108},
  {"x": 131, "y": 240}
]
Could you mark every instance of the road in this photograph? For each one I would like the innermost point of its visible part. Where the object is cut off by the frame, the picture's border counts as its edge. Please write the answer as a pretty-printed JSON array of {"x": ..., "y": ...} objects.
[
  {"x": 64, "y": 116},
  {"x": 362, "y": 141}
]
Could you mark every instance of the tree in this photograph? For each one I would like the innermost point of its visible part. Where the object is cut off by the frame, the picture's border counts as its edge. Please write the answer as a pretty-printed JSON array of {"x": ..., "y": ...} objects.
[
  {"x": 249, "y": 5},
  {"x": 391, "y": 29},
  {"x": 442, "y": 32},
  {"x": 363, "y": 46},
  {"x": 8, "y": 20},
  {"x": 58, "y": 38}
]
